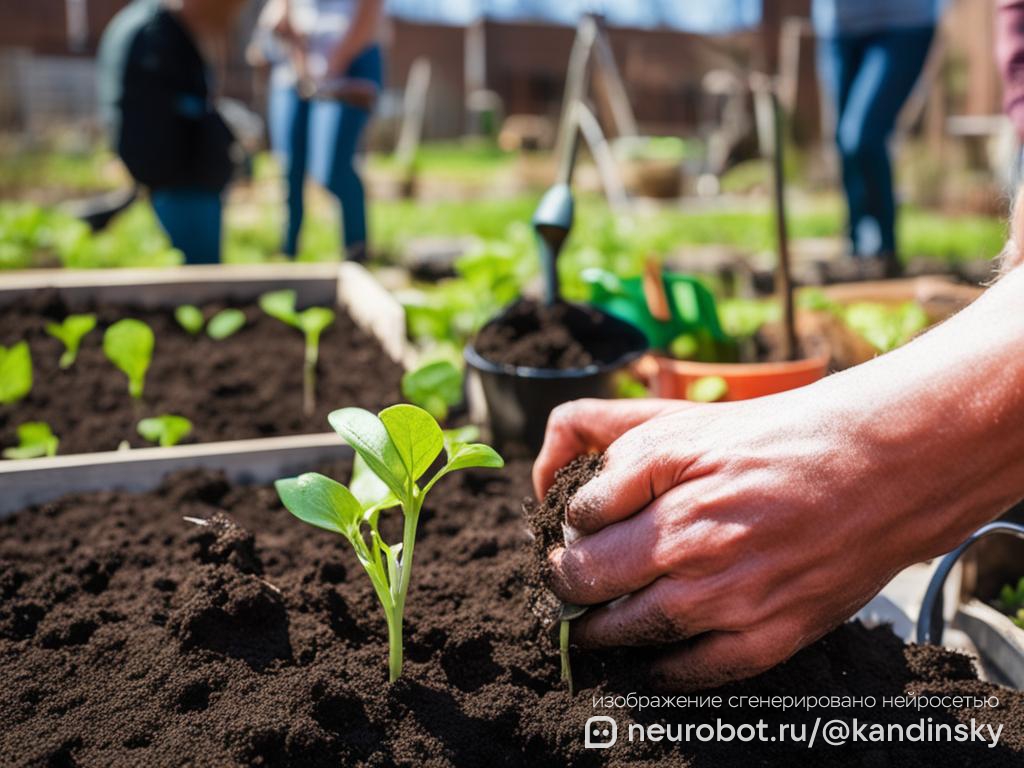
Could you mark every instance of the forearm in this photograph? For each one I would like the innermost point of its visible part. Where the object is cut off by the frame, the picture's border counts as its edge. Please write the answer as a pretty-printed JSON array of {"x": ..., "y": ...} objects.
[
  {"x": 944, "y": 414},
  {"x": 361, "y": 33}
]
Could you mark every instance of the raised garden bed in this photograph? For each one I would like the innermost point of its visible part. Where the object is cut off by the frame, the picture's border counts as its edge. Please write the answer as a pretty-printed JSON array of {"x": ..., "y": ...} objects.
[
  {"x": 249, "y": 385},
  {"x": 130, "y": 636}
]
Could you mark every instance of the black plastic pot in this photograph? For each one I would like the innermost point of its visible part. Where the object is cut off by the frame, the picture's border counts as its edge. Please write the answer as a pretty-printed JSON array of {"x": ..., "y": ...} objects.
[{"x": 519, "y": 399}]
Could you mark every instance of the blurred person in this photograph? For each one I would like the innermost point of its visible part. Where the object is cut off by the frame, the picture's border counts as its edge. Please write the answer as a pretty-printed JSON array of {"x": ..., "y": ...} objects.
[
  {"x": 1010, "y": 57},
  {"x": 155, "y": 93},
  {"x": 327, "y": 68},
  {"x": 734, "y": 534},
  {"x": 870, "y": 55}
]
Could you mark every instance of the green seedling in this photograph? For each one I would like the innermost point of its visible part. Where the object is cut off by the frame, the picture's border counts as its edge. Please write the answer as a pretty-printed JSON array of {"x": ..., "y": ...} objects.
[
  {"x": 190, "y": 317},
  {"x": 434, "y": 387},
  {"x": 70, "y": 333},
  {"x": 225, "y": 323},
  {"x": 312, "y": 322},
  {"x": 1011, "y": 602},
  {"x": 35, "y": 439},
  {"x": 167, "y": 430},
  {"x": 128, "y": 344},
  {"x": 15, "y": 372},
  {"x": 394, "y": 449},
  {"x": 569, "y": 612}
]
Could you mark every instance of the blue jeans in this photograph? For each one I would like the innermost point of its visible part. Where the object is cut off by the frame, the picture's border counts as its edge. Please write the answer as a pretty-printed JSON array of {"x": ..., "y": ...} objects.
[
  {"x": 869, "y": 77},
  {"x": 192, "y": 220},
  {"x": 321, "y": 138}
]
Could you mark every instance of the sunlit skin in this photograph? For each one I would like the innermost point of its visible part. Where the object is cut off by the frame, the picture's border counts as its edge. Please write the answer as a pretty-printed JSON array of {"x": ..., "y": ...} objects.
[{"x": 756, "y": 527}]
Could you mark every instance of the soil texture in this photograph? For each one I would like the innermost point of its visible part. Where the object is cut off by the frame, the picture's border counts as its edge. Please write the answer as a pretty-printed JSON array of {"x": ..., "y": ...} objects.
[
  {"x": 559, "y": 337},
  {"x": 246, "y": 386},
  {"x": 130, "y": 636}
]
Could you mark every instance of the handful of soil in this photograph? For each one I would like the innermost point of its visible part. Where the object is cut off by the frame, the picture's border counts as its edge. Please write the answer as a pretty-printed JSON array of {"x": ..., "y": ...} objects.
[
  {"x": 558, "y": 337},
  {"x": 546, "y": 521}
]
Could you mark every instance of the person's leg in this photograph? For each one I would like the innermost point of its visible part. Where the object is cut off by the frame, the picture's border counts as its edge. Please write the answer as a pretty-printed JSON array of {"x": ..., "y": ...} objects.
[
  {"x": 289, "y": 133},
  {"x": 892, "y": 62},
  {"x": 340, "y": 128},
  {"x": 838, "y": 62},
  {"x": 192, "y": 220}
]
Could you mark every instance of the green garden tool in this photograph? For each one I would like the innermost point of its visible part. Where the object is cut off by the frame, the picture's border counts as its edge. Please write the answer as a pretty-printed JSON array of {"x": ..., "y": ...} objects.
[{"x": 682, "y": 311}]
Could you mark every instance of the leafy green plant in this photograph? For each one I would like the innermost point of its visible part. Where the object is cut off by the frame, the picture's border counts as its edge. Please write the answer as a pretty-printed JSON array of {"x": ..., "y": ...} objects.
[
  {"x": 167, "y": 429},
  {"x": 886, "y": 327},
  {"x": 15, "y": 372},
  {"x": 312, "y": 322},
  {"x": 190, "y": 317},
  {"x": 434, "y": 387},
  {"x": 1011, "y": 602},
  {"x": 128, "y": 344},
  {"x": 225, "y": 323},
  {"x": 70, "y": 333},
  {"x": 394, "y": 449},
  {"x": 35, "y": 439}
]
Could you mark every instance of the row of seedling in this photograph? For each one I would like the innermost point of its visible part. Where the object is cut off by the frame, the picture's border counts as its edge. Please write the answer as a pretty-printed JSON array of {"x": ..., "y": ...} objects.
[{"x": 129, "y": 344}]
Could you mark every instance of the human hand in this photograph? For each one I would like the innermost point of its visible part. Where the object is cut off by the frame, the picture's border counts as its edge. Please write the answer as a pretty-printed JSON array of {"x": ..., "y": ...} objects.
[
  {"x": 591, "y": 425},
  {"x": 753, "y": 528}
]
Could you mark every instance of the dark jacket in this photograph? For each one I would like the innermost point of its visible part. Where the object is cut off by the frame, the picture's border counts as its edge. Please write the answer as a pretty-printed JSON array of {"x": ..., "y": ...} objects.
[{"x": 155, "y": 95}]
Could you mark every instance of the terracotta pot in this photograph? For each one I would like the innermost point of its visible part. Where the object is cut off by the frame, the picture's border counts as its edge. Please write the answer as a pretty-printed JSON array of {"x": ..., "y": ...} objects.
[{"x": 671, "y": 378}]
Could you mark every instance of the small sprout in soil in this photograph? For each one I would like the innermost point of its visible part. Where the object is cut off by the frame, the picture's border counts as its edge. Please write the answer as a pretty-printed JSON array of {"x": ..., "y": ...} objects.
[
  {"x": 167, "y": 430},
  {"x": 707, "y": 389},
  {"x": 35, "y": 440},
  {"x": 128, "y": 344},
  {"x": 393, "y": 450},
  {"x": 569, "y": 612},
  {"x": 70, "y": 333},
  {"x": 225, "y": 323},
  {"x": 190, "y": 317},
  {"x": 312, "y": 322},
  {"x": 1011, "y": 602},
  {"x": 15, "y": 372},
  {"x": 434, "y": 387}
]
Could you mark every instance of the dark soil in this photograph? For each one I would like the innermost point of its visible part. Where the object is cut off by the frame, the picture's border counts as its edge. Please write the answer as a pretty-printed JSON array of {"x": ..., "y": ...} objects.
[
  {"x": 559, "y": 337},
  {"x": 130, "y": 637},
  {"x": 545, "y": 520},
  {"x": 246, "y": 386}
]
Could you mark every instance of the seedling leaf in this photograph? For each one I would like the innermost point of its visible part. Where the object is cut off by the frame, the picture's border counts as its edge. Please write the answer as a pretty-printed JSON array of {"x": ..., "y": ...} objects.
[
  {"x": 35, "y": 439},
  {"x": 369, "y": 438},
  {"x": 129, "y": 344},
  {"x": 167, "y": 430},
  {"x": 369, "y": 489},
  {"x": 225, "y": 323},
  {"x": 314, "y": 320},
  {"x": 320, "y": 501},
  {"x": 435, "y": 387},
  {"x": 416, "y": 435},
  {"x": 280, "y": 305},
  {"x": 190, "y": 318},
  {"x": 473, "y": 455},
  {"x": 15, "y": 372},
  {"x": 70, "y": 333}
]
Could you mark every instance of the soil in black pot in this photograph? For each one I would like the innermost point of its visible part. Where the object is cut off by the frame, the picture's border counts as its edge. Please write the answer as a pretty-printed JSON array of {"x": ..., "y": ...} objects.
[
  {"x": 246, "y": 386},
  {"x": 129, "y": 636},
  {"x": 558, "y": 337}
]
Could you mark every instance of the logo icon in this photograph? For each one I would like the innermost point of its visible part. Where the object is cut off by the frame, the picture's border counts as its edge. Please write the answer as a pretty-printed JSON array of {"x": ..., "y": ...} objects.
[{"x": 601, "y": 732}]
